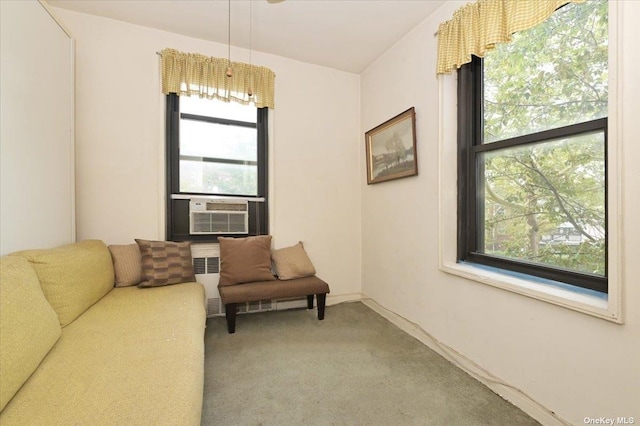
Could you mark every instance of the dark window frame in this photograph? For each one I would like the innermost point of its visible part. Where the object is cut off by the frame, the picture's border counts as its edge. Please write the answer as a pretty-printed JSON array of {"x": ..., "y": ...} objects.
[
  {"x": 177, "y": 210},
  {"x": 470, "y": 144}
]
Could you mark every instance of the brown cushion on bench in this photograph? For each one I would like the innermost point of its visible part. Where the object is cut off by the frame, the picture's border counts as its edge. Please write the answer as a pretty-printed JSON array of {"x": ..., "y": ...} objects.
[
  {"x": 244, "y": 260},
  {"x": 267, "y": 290}
]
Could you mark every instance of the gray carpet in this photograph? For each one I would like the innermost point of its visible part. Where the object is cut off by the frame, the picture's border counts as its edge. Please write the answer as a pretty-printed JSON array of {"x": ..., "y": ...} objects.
[{"x": 353, "y": 368}]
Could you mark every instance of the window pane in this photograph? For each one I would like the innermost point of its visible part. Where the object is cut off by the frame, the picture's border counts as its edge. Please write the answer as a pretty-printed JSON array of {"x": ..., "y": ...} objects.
[
  {"x": 550, "y": 76},
  {"x": 202, "y": 139},
  {"x": 216, "y": 108},
  {"x": 544, "y": 203},
  {"x": 217, "y": 178}
]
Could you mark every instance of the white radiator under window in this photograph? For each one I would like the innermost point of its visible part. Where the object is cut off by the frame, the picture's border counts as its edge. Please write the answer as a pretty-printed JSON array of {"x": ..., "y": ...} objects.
[{"x": 206, "y": 266}]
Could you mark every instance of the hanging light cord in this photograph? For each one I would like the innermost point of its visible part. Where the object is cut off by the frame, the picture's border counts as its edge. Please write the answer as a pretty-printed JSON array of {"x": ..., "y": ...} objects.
[
  {"x": 229, "y": 72},
  {"x": 250, "y": 91}
]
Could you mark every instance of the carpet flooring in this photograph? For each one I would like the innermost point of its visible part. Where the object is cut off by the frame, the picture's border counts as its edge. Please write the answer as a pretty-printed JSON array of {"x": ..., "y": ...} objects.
[{"x": 353, "y": 368}]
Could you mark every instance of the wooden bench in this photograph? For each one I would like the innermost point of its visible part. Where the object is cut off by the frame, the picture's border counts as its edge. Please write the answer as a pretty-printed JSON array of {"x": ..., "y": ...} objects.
[{"x": 231, "y": 295}]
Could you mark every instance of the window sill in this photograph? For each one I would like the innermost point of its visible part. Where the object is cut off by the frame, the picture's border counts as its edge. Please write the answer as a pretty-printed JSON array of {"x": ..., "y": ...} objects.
[{"x": 575, "y": 298}]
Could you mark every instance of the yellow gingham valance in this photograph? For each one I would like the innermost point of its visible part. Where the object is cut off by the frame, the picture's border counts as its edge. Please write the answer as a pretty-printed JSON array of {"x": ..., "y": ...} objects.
[
  {"x": 194, "y": 74},
  {"x": 477, "y": 27}
]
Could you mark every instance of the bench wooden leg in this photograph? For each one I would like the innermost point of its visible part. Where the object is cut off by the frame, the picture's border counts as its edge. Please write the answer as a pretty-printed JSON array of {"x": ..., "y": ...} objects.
[
  {"x": 322, "y": 298},
  {"x": 230, "y": 312},
  {"x": 310, "y": 301}
]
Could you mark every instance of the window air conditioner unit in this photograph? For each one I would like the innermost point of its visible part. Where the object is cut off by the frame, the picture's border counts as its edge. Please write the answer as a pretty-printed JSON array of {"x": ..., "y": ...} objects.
[{"x": 218, "y": 217}]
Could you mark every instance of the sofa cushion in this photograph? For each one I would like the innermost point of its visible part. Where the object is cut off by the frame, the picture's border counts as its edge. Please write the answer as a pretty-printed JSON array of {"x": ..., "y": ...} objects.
[
  {"x": 73, "y": 277},
  {"x": 292, "y": 262},
  {"x": 127, "y": 264},
  {"x": 29, "y": 326},
  {"x": 165, "y": 263},
  {"x": 134, "y": 358},
  {"x": 244, "y": 260}
]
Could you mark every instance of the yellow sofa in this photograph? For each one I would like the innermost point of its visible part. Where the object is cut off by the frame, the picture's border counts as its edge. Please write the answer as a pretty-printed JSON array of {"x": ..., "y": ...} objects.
[{"x": 74, "y": 350}]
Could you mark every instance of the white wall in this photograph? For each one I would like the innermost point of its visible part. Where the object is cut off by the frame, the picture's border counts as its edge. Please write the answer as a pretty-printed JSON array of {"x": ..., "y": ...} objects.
[
  {"x": 575, "y": 365},
  {"x": 120, "y": 145},
  {"x": 36, "y": 141}
]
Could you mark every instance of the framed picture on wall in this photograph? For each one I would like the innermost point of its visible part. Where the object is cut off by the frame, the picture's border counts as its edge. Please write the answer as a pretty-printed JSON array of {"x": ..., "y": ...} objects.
[{"x": 391, "y": 148}]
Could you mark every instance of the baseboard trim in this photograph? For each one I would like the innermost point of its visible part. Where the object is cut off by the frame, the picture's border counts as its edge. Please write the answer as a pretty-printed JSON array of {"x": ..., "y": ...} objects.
[
  {"x": 340, "y": 298},
  {"x": 508, "y": 392}
]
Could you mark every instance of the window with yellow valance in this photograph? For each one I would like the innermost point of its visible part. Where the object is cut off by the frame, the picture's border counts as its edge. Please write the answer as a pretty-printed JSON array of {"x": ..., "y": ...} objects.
[
  {"x": 477, "y": 27},
  {"x": 188, "y": 74}
]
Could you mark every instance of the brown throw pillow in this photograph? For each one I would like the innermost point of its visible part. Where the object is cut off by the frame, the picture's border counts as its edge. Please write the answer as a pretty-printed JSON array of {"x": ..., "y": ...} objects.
[
  {"x": 165, "y": 262},
  {"x": 292, "y": 262},
  {"x": 127, "y": 264},
  {"x": 245, "y": 260}
]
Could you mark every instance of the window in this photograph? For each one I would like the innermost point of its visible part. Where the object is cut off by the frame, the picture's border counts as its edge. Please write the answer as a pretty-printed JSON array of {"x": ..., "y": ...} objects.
[
  {"x": 532, "y": 141},
  {"x": 218, "y": 149}
]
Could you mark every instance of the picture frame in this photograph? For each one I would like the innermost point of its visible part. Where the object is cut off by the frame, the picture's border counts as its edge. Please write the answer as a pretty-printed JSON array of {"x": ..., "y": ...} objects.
[{"x": 391, "y": 149}]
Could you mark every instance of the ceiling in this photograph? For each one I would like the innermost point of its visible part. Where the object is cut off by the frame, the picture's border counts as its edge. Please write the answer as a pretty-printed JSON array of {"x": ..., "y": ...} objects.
[{"x": 343, "y": 34}]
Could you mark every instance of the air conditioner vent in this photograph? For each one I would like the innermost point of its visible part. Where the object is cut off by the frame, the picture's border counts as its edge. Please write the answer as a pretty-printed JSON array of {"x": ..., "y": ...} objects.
[
  {"x": 214, "y": 307},
  {"x": 199, "y": 265},
  {"x": 231, "y": 206},
  {"x": 218, "y": 217},
  {"x": 213, "y": 265},
  {"x": 206, "y": 265}
]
